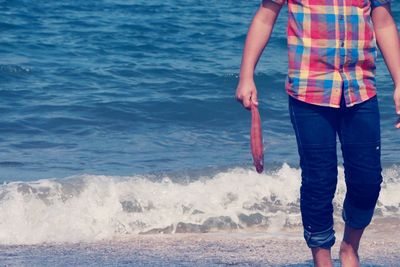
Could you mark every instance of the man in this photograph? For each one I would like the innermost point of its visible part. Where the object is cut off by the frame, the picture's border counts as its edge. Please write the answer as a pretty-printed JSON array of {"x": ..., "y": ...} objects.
[{"x": 332, "y": 91}]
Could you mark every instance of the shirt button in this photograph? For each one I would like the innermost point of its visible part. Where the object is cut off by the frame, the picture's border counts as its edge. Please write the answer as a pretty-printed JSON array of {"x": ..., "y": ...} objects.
[
  {"x": 341, "y": 17},
  {"x": 342, "y": 44}
]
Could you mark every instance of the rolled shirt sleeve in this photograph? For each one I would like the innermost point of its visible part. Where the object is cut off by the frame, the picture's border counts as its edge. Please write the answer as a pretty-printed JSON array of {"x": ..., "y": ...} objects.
[{"x": 279, "y": 2}]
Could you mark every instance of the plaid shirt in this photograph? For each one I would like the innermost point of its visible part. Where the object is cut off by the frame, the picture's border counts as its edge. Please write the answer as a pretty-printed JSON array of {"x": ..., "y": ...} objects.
[{"x": 331, "y": 47}]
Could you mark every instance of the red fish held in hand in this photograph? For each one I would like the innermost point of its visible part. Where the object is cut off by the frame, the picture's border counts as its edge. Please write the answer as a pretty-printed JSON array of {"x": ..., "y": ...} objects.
[{"x": 256, "y": 140}]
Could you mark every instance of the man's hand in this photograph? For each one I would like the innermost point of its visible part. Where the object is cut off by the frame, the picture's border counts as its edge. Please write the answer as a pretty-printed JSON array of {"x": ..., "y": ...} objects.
[
  {"x": 257, "y": 38},
  {"x": 396, "y": 97},
  {"x": 387, "y": 38},
  {"x": 246, "y": 93}
]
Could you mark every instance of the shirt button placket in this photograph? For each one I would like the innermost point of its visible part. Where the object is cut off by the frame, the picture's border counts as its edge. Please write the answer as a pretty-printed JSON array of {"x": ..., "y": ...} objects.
[
  {"x": 342, "y": 49},
  {"x": 341, "y": 40}
]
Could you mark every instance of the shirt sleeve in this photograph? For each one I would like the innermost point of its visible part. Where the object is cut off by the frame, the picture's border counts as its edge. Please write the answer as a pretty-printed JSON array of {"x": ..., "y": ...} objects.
[
  {"x": 282, "y": 2},
  {"x": 375, "y": 3}
]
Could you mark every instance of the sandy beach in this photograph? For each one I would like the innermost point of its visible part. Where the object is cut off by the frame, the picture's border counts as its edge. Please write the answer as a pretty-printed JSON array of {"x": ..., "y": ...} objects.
[
  {"x": 380, "y": 247},
  {"x": 123, "y": 144}
]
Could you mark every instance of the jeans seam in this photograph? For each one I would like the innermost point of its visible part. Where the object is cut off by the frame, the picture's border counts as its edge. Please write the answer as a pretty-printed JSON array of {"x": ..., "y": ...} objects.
[{"x": 295, "y": 125}]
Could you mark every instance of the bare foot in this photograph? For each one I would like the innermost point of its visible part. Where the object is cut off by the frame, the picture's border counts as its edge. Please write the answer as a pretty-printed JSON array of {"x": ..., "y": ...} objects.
[
  {"x": 348, "y": 256},
  {"x": 349, "y": 247},
  {"x": 322, "y": 257}
]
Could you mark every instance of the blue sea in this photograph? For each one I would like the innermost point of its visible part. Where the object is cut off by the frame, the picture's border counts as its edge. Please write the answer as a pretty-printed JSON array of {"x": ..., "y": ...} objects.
[{"x": 118, "y": 118}]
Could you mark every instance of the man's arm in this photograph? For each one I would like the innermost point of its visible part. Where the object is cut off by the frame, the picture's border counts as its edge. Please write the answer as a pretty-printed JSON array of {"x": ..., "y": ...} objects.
[
  {"x": 387, "y": 38},
  {"x": 257, "y": 38}
]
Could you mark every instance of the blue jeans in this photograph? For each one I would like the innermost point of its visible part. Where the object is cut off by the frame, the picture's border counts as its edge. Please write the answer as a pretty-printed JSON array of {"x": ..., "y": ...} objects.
[{"x": 358, "y": 129}]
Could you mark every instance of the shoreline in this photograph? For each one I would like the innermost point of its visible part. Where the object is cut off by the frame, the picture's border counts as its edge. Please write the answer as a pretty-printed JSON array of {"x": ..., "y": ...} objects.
[{"x": 379, "y": 247}]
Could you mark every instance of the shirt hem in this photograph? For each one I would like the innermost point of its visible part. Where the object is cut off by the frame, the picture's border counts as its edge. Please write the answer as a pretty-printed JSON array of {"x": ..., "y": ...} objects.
[{"x": 328, "y": 104}]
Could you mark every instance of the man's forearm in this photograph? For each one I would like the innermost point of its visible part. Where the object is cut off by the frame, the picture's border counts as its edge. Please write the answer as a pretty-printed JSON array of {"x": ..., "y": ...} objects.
[
  {"x": 258, "y": 35},
  {"x": 388, "y": 41}
]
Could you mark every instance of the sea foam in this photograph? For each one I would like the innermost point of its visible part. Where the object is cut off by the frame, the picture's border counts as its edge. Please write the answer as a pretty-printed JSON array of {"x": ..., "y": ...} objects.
[{"x": 93, "y": 207}]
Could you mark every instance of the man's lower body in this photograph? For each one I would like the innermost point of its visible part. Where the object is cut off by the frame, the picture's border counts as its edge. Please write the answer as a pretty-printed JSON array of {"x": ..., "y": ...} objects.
[{"x": 358, "y": 129}]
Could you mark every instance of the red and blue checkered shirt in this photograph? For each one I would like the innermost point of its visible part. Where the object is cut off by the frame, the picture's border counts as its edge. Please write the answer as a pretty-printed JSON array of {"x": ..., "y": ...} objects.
[{"x": 331, "y": 47}]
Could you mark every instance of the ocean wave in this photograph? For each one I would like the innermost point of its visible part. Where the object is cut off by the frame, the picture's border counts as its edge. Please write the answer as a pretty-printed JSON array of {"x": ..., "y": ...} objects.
[
  {"x": 10, "y": 69},
  {"x": 95, "y": 207}
]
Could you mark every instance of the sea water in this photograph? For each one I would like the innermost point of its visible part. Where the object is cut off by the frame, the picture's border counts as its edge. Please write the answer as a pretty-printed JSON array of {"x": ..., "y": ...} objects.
[{"x": 118, "y": 118}]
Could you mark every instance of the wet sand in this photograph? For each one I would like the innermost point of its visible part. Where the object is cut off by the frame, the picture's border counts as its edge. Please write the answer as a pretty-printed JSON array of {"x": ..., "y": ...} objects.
[{"x": 380, "y": 247}]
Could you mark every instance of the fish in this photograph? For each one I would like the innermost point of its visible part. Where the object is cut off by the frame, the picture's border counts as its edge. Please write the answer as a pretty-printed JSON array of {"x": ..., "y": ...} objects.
[{"x": 256, "y": 139}]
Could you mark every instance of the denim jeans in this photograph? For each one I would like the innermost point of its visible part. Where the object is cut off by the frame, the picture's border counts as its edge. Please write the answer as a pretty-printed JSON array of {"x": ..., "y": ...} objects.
[{"x": 358, "y": 129}]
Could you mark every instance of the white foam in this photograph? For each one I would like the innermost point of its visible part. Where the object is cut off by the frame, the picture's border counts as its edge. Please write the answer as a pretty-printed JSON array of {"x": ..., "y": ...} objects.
[{"x": 92, "y": 208}]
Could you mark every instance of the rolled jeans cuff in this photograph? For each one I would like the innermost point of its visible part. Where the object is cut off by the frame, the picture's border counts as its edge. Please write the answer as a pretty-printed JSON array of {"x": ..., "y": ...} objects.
[
  {"x": 323, "y": 239},
  {"x": 356, "y": 218}
]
